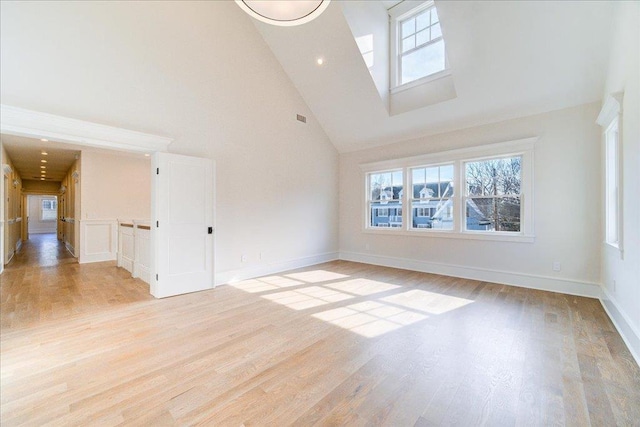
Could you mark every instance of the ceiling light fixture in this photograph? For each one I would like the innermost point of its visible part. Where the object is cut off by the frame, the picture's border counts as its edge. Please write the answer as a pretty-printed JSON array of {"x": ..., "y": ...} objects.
[
  {"x": 284, "y": 13},
  {"x": 44, "y": 153},
  {"x": 43, "y": 161},
  {"x": 43, "y": 167},
  {"x": 44, "y": 140},
  {"x": 320, "y": 61}
]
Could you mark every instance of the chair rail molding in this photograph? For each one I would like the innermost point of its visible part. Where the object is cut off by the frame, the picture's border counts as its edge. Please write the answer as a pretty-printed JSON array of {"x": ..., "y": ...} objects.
[{"x": 35, "y": 124}]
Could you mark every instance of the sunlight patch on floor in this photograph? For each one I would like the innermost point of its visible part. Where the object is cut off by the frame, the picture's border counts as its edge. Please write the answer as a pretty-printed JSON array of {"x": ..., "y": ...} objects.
[
  {"x": 316, "y": 276},
  {"x": 427, "y": 302},
  {"x": 312, "y": 296},
  {"x": 362, "y": 286},
  {"x": 370, "y": 318},
  {"x": 265, "y": 284}
]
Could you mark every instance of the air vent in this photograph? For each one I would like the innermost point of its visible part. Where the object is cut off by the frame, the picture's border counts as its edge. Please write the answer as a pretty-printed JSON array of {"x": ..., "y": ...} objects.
[{"x": 301, "y": 118}]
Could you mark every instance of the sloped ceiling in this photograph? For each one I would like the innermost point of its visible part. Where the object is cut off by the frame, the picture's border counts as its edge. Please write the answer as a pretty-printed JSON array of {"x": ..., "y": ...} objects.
[{"x": 508, "y": 59}]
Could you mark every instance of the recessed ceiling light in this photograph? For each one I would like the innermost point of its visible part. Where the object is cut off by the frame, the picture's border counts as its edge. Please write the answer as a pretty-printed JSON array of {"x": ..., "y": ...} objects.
[
  {"x": 44, "y": 153},
  {"x": 320, "y": 61},
  {"x": 43, "y": 167},
  {"x": 41, "y": 179},
  {"x": 147, "y": 154},
  {"x": 43, "y": 161},
  {"x": 44, "y": 140}
]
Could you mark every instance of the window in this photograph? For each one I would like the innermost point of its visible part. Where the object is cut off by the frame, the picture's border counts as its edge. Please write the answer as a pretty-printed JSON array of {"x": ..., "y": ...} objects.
[
  {"x": 432, "y": 203},
  {"x": 49, "y": 210},
  {"x": 612, "y": 187},
  {"x": 492, "y": 200},
  {"x": 384, "y": 198},
  {"x": 610, "y": 118},
  {"x": 419, "y": 46},
  {"x": 481, "y": 192}
]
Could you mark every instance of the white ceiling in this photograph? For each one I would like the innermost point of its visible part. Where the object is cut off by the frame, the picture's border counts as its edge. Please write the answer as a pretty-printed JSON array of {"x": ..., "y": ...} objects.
[{"x": 508, "y": 59}]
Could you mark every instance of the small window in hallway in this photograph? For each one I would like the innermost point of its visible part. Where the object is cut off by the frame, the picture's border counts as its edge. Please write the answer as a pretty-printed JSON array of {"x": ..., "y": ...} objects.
[{"x": 49, "y": 210}]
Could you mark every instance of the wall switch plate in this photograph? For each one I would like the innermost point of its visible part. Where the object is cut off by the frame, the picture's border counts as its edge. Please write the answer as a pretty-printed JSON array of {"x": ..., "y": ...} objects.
[{"x": 556, "y": 266}]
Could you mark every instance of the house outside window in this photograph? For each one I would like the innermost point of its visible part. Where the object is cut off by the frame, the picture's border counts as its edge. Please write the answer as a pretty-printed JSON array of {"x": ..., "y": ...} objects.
[
  {"x": 384, "y": 196},
  {"x": 418, "y": 48},
  {"x": 493, "y": 195},
  {"x": 483, "y": 192},
  {"x": 432, "y": 197}
]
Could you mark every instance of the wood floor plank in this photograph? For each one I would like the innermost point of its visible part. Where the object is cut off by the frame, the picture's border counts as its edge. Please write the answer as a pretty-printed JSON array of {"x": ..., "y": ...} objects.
[{"x": 339, "y": 343}]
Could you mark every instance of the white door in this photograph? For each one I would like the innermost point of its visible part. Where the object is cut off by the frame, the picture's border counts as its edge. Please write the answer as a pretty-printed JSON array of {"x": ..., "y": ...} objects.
[{"x": 182, "y": 228}]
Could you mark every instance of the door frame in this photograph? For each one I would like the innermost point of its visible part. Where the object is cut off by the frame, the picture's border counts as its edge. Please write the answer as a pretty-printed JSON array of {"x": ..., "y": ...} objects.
[{"x": 34, "y": 124}]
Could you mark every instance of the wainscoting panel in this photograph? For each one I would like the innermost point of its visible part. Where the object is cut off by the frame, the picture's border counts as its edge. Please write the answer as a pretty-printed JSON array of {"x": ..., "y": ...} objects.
[
  {"x": 142, "y": 250},
  {"x": 126, "y": 245},
  {"x": 98, "y": 240}
]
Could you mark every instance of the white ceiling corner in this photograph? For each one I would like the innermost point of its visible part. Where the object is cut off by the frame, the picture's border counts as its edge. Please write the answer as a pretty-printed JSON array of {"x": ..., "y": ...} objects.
[{"x": 508, "y": 59}]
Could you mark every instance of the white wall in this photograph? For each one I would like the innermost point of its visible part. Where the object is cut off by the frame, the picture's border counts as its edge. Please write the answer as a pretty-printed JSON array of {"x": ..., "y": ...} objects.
[
  {"x": 200, "y": 73},
  {"x": 567, "y": 213},
  {"x": 369, "y": 23},
  {"x": 623, "y": 302},
  {"x": 36, "y": 225},
  {"x": 115, "y": 186}
]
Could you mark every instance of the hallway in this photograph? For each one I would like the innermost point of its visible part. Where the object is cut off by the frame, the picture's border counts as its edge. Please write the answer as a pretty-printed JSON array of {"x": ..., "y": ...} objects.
[{"x": 44, "y": 282}]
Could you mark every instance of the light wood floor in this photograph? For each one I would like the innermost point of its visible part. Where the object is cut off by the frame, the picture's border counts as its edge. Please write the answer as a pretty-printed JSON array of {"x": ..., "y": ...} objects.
[{"x": 334, "y": 344}]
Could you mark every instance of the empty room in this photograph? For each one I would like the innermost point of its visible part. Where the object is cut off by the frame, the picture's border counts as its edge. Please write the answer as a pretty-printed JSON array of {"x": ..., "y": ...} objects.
[{"x": 385, "y": 212}]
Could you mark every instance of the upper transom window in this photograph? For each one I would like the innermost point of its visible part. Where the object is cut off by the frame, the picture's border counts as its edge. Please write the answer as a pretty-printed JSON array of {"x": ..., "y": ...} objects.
[{"x": 419, "y": 44}]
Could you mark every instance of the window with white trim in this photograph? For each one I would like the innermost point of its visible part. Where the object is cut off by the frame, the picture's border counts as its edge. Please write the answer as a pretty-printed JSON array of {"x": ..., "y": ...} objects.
[
  {"x": 432, "y": 203},
  {"x": 384, "y": 200},
  {"x": 493, "y": 191},
  {"x": 417, "y": 43},
  {"x": 482, "y": 192},
  {"x": 610, "y": 118},
  {"x": 49, "y": 210},
  {"x": 612, "y": 187}
]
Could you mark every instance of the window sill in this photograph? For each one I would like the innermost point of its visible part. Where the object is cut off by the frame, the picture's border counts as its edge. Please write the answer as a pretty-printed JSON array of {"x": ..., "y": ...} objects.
[
  {"x": 421, "y": 81},
  {"x": 464, "y": 235}
]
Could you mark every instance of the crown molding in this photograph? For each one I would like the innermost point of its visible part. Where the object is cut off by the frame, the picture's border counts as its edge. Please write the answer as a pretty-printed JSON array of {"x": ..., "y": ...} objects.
[{"x": 35, "y": 124}]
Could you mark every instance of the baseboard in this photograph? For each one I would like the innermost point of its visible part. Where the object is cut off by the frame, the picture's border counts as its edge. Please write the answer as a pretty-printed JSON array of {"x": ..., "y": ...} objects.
[
  {"x": 237, "y": 275},
  {"x": 629, "y": 333},
  {"x": 553, "y": 284}
]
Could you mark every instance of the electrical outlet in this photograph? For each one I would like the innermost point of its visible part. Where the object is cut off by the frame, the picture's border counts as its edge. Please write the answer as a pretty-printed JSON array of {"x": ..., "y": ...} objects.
[
  {"x": 243, "y": 258},
  {"x": 556, "y": 266}
]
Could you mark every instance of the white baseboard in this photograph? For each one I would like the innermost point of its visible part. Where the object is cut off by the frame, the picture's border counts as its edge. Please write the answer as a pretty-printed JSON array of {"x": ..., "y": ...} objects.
[
  {"x": 237, "y": 275},
  {"x": 629, "y": 333},
  {"x": 553, "y": 284}
]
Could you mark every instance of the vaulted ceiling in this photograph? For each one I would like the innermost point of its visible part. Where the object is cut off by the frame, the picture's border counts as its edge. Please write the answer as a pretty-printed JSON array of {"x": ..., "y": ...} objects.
[{"x": 508, "y": 59}]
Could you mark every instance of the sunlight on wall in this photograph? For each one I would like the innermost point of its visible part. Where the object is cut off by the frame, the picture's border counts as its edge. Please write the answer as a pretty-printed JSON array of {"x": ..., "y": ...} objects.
[{"x": 365, "y": 44}]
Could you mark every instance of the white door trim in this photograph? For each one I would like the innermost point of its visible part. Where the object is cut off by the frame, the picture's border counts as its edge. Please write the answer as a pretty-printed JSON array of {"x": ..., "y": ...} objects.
[{"x": 34, "y": 124}]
